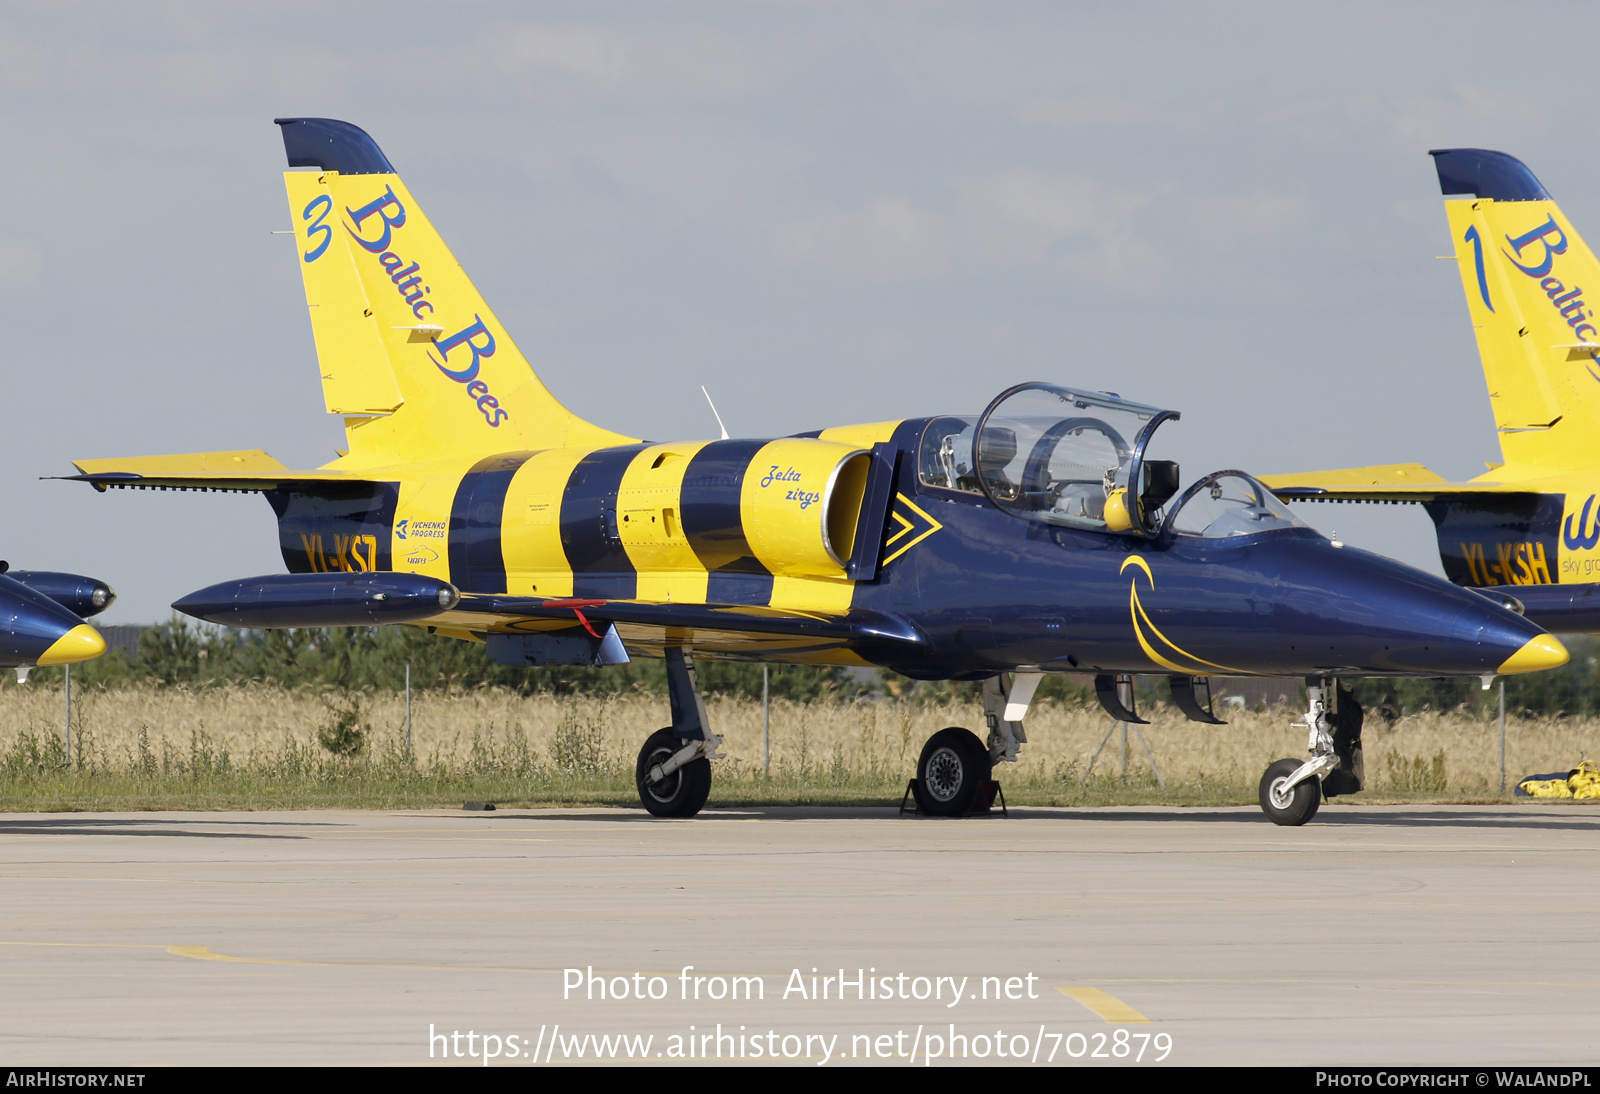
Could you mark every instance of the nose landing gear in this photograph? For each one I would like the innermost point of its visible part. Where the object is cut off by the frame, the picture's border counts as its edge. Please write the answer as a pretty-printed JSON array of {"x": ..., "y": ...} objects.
[
  {"x": 1285, "y": 802},
  {"x": 1291, "y": 791}
]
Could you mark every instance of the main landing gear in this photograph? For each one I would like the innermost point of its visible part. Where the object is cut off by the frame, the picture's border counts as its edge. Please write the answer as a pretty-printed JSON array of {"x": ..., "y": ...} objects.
[
  {"x": 1291, "y": 791},
  {"x": 673, "y": 771},
  {"x": 951, "y": 770},
  {"x": 955, "y": 766}
]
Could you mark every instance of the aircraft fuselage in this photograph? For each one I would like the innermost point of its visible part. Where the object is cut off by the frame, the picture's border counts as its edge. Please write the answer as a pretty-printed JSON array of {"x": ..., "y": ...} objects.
[{"x": 961, "y": 589}]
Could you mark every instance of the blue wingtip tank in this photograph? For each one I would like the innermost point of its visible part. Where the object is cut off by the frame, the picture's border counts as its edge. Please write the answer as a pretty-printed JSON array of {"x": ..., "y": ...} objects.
[{"x": 35, "y": 630}]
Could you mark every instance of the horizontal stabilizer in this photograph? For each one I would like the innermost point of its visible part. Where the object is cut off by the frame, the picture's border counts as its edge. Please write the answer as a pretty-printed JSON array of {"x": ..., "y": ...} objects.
[
  {"x": 1386, "y": 474},
  {"x": 249, "y": 470},
  {"x": 1381, "y": 482}
]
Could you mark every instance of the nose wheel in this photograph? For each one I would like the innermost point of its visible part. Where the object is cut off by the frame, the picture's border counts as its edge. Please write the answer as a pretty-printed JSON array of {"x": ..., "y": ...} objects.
[
  {"x": 1286, "y": 804},
  {"x": 1290, "y": 791}
]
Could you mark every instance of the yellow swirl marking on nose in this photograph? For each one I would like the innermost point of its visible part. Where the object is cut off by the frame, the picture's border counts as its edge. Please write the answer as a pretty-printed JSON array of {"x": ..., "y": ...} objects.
[{"x": 1137, "y": 613}]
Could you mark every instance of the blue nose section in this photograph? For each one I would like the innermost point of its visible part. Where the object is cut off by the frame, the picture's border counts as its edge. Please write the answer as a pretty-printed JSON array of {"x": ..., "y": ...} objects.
[
  {"x": 30, "y": 625},
  {"x": 1351, "y": 611}
]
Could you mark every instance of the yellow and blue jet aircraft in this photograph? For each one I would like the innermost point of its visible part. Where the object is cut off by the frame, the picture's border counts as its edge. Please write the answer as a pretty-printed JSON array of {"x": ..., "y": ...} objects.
[
  {"x": 42, "y": 615},
  {"x": 1035, "y": 537},
  {"x": 1528, "y": 528}
]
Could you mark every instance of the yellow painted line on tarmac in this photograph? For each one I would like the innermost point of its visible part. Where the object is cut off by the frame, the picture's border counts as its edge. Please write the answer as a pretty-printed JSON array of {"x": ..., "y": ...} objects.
[{"x": 1106, "y": 1006}]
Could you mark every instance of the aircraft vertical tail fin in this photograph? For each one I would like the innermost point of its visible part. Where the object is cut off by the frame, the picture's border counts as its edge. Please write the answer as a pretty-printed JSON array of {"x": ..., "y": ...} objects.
[
  {"x": 408, "y": 350},
  {"x": 1528, "y": 278}
]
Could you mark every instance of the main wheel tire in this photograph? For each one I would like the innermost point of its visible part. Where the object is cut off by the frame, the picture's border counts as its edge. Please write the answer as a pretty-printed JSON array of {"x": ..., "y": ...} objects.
[
  {"x": 1299, "y": 805},
  {"x": 682, "y": 793},
  {"x": 952, "y": 766}
]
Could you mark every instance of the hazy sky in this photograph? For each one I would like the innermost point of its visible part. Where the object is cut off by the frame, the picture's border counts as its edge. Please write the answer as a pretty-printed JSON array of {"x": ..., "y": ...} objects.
[{"x": 823, "y": 212}]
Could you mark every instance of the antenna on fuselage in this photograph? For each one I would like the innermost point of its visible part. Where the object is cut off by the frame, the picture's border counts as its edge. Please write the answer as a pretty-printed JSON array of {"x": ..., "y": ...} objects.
[{"x": 713, "y": 406}]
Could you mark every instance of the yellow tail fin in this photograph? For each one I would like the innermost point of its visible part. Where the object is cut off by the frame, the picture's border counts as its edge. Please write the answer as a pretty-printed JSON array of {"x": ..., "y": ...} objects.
[
  {"x": 1528, "y": 278},
  {"x": 409, "y": 352}
]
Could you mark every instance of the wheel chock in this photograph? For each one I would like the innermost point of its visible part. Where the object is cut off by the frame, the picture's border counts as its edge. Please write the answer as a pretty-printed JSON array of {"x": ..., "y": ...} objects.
[
  {"x": 910, "y": 796},
  {"x": 989, "y": 791},
  {"x": 983, "y": 804}
]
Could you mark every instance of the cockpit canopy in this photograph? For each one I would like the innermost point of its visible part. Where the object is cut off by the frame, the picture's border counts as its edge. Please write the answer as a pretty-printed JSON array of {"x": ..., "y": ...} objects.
[
  {"x": 1067, "y": 457},
  {"x": 1226, "y": 504},
  {"x": 1058, "y": 455}
]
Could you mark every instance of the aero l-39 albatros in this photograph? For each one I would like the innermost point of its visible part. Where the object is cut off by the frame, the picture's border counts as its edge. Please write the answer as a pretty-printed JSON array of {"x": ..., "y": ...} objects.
[
  {"x": 1529, "y": 528},
  {"x": 1037, "y": 536}
]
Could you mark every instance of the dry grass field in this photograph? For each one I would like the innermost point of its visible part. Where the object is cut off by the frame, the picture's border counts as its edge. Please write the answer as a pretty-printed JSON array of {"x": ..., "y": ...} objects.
[{"x": 260, "y": 747}]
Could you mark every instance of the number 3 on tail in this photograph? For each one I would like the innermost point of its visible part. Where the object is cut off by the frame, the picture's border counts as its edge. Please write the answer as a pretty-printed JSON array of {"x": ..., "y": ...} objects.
[{"x": 326, "y": 204}]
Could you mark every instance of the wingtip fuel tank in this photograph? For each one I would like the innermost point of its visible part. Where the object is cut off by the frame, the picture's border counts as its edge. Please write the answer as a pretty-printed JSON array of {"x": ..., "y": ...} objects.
[{"x": 35, "y": 630}]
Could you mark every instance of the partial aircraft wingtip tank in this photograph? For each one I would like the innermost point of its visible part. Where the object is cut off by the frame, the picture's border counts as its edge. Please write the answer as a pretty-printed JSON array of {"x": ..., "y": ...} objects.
[
  {"x": 42, "y": 618},
  {"x": 1042, "y": 535}
]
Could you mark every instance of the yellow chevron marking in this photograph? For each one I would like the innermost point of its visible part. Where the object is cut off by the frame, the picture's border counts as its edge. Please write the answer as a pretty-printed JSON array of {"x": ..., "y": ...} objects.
[
  {"x": 905, "y": 526},
  {"x": 933, "y": 526}
]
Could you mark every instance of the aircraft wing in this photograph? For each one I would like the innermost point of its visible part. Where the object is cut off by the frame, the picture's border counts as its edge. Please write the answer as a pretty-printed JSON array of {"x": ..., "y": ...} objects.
[
  {"x": 1398, "y": 482},
  {"x": 739, "y": 630},
  {"x": 248, "y": 470}
]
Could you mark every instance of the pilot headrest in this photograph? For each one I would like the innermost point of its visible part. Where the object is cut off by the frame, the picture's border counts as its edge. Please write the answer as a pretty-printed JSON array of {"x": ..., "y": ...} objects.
[{"x": 997, "y": 447}]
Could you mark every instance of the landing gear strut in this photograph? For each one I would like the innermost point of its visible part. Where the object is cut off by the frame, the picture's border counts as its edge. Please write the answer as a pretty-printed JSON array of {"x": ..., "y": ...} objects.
[
  {"x": 673, "y": 772},
  {"x": 955, "y": 765},
  {"x": 1291, "y": 791},
  {"x": 1348, "y": 776}
]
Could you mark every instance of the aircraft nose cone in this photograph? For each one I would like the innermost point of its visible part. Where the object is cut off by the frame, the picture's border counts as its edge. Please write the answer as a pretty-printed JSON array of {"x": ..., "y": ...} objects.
[
  {"x": 1375, "y": 616},
  {"x": 81, "y": 643},
  {"x": 1541, "y": 652}
]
